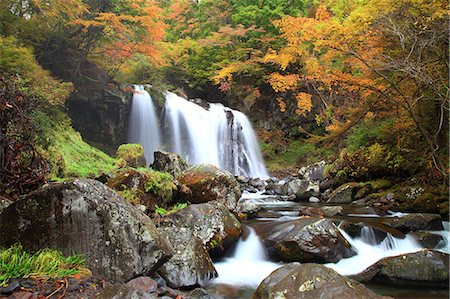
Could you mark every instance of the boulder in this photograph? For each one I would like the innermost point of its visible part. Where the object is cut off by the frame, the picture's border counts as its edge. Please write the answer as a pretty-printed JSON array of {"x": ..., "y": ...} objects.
[
  {"x": 147, "y": 187},
  {"x": 422, "y": 267},
  {"x": 212, "y": 222},
  {"x": 86, "y": 217},
  {"x": 208, "y": 183},
  {"x": 190, "y": 264},
  {"x": 344, "y": 194},
  {"x": 248, "y": 207},
  {"x": 124, "y": 291},
  {"x": 415, "y": 221},
  {"x": 143, "y": 283},
  {"x": 169, "y": 162},
  {"x": 314, "y": 172},
  {"x": 299, "y": 188},
  {"x": 310, "y": 281},
  {"x": 427, "y": 239},
  {"x": 307, "y": 240}
]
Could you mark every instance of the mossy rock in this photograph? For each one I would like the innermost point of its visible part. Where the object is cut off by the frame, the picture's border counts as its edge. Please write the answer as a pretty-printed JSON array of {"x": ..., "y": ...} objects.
[
  {"x": 132, "y": 154},
  {"x": 207, "y": 183},
  {"x": 145, "y": 186}
]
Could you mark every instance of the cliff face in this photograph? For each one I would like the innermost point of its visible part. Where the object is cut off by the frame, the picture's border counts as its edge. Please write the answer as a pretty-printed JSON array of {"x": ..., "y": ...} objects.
[{"x": 100, "y": 113}]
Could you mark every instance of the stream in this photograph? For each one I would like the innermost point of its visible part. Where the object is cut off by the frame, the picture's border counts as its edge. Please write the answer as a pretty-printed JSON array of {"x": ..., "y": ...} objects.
[{"x": 247, "y": 264}]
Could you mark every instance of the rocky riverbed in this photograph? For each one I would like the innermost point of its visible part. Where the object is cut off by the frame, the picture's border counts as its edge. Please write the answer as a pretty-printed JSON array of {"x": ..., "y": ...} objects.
[{"x": 324, "y": 238}]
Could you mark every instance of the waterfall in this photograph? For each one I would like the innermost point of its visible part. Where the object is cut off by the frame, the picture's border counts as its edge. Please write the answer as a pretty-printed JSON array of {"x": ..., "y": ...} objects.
[
  {"x": 368, "y": 252},
  {"x": 248, "y": 266},
  {"x": 218, "y": 135},
  {"x": 144, "y": 128}
]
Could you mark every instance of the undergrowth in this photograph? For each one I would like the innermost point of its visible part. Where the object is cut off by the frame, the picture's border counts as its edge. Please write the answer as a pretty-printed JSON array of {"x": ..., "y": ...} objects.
[
  {"x": 15, "y": 262},
  {"x": 68, "y": 154}
]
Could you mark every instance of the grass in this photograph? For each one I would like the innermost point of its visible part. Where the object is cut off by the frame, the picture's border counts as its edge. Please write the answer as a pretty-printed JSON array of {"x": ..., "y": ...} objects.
[
  {"x": 163, "y": 212},
  {"x": 44, "y": 264},
  {"x": 68, "y": 154}
]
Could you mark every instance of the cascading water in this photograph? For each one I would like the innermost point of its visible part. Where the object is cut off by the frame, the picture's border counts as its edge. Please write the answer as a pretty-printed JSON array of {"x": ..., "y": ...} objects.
[
  {"x": 144, "y": 127},
  {"x": 369, "y": 252},
  {"x": 248, "y": 266},
  {"x": 218, "y": 135}
]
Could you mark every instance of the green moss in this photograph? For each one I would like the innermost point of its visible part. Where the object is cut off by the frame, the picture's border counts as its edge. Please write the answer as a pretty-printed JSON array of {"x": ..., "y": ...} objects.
[
  {"x": 378, "y": 184},
  {"x": 131, "y": 153},
  {"x": 131, "y": 195},
  {"x": 44, "y": 264},
  {"x": 161, "y": 184},
  {"x": 66, "y": 151}
]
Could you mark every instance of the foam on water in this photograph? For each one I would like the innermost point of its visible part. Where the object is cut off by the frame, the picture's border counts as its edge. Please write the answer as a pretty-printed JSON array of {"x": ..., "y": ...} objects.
[{"x": 248, "y": 266}]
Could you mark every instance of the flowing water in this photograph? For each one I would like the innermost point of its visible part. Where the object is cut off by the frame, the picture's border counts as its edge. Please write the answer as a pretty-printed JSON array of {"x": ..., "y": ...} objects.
[
  {"x": 144, "y": 125},
  {"x": 217, "y": 135},
  {"x": 248, "y": 265}
]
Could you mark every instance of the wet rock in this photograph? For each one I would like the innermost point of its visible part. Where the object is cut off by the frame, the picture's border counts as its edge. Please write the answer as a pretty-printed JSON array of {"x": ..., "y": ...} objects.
[
  {"x": 310, "y": 281},
  {"x": 190, "y": 265},
  {"x": 427, "y": 239},
  {"x": 278, "y": 188},
  {"x": 314, "y": 172},
  {"x": 344, "y": 194},
  {"x": 415, "y": 221},
  {"x": 169, "y": 162},
  {"x": 425, "y": 267},
  {"x": 212, "y": 222},
  {"x": 331, "y": 211},
  {"x": 124, "y": 291},
  {"x": 86, "y": 217},
  {"x": 310, "y": 211},
  {"x": 248, "y": 207},
  {"x": 143, "y": 283},
  {"x": 208, "y": 183},
  {"x": 307, "y": 240},
  {"x": 299, "y": 188}
]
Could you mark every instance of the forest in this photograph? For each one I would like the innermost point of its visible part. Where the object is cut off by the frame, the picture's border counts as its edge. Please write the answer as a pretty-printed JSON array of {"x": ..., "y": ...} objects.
[{"x": 356, "y": 90}]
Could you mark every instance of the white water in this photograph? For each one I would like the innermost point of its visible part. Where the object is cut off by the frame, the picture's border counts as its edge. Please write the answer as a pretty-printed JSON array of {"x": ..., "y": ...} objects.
[
  {"x": 249, "y": 265},
  {"x": 368, "y": 252},
  {"x": 144, "y": 128},
  {"x": 219, "y": 136}
]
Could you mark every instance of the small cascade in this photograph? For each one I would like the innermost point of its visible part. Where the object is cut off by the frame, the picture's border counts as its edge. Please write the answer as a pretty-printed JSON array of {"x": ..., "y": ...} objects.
[
  {"x": 217, "y": 135},
  {"x": 248, "y": 266},
  {"x": 144, "y": 128},
  {"x": 368, "y": 252}
]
